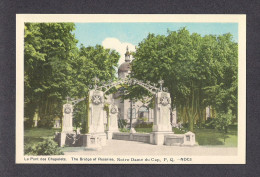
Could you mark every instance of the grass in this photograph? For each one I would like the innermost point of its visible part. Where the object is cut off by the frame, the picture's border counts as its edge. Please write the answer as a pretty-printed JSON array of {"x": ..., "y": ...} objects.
[
  {"x": 214, "y": 137},
  {"x": 204, "y": 137},
  {"x": 36, "y": 135},
  {"x": 143, "y": 130}
]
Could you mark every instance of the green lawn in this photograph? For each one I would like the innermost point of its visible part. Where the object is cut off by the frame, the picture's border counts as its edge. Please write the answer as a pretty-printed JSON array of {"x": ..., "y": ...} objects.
[
  {"x": 143, "y": 130},
  {"x": 214, "y": 137},
  {"x": 204, "y": 137},
  {"x": 36, "y": 135}
]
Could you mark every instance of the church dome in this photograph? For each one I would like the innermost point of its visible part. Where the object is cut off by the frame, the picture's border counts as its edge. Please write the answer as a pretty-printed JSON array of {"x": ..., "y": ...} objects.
[{"x": 124, "y": 67}]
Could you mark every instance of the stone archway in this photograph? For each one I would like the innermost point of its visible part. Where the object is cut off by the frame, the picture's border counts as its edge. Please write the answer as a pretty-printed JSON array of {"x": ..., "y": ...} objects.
[
  {"x": 96, "y": 136},
  {"x": 162, "y": 109}
]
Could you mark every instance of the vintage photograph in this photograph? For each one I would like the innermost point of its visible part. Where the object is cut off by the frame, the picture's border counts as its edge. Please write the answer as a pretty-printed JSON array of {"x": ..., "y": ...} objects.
[{"x": 131, "y": 89}]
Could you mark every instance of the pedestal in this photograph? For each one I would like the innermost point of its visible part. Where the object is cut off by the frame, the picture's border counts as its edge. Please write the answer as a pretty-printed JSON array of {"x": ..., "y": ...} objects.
[
  {"x": 189, "y": 139},
  {"x": 94, "y": 141},
  {"x": 158, "y": 138},
  {"x": 67, "y": 125},
  {"x": 112, "y": 121},
  {"x": 162, "y": 113}
]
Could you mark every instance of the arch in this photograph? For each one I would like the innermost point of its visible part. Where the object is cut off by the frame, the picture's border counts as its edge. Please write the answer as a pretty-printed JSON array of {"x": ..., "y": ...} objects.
[
  {"x": 151, "y": 88},
  {"x": 74, "y": 102}
]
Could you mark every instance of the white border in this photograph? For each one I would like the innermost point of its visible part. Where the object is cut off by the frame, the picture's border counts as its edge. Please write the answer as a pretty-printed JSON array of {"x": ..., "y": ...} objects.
[{"x": 240, "y": 19}]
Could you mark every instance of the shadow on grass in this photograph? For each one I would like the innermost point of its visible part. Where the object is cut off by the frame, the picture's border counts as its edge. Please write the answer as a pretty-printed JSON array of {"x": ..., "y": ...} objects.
[
  {"x": 36, "y": 135},
  {"x": 214, "y": 137}
]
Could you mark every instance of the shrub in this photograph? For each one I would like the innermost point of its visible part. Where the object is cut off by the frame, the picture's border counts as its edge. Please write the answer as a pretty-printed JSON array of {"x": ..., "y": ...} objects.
[
  {"x": 179, "y": 130},
  {"x": 142, "y": 119},
  {"x": 144, "y": 125},
  {"x": 47, "y": 147},
  {"x": 222, "y": 121}
]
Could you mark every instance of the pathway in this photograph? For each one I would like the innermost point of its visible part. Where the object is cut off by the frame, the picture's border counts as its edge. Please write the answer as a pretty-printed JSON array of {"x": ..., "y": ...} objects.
[{"x": 120, "y": 147}]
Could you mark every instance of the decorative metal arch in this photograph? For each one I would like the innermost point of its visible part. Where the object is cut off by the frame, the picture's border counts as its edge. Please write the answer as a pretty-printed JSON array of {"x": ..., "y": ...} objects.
[
  {"x": 151, "y": 87},
  {"x": 74, "y": 102}
]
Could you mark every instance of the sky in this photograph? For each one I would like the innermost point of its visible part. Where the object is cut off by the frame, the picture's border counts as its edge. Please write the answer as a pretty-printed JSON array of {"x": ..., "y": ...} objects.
[{"x": 119, "y": 35}]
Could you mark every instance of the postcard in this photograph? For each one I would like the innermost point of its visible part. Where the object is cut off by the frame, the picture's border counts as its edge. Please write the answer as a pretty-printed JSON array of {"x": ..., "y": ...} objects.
[{"x": 130, "y": 89}]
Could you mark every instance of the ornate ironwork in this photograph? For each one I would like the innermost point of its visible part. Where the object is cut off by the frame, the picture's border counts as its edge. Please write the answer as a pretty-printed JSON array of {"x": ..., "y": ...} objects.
[
  {"x": 73, "y": 137},
  {"x": 161, "y": 83},
  {"x": 67, "y": 98},
  {"x": 74, "y": 102},
  {"x": 95, "y": 79},
  {"x": 151, "y": 87}
]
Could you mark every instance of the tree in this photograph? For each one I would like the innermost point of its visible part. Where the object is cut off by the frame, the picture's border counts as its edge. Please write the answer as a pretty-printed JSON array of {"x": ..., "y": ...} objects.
[
  {"x": 48, "y": 47},
  {"x": 222, "y": 92},
  {"x": 55, "y": 68},
  {"x": 222, "y": 122},
  {"x": 91, "y": 62},
  {"x": 192, "y": 67}
]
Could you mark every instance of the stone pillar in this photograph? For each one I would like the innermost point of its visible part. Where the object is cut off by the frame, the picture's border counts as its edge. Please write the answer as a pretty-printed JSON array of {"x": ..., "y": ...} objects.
[
  {"x": 96, "y": 108},
  {"x": 162, "y": 113},
  {"x": 162, "y": 118},
  {"x": 96, "y": 137},
  {"x": 67, "y": 125},
  {"x": 112, "y": 121}
]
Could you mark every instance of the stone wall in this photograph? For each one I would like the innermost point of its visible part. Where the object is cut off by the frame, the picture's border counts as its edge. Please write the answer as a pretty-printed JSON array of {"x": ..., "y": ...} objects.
[
  {"x": 141, "y": 137},
  {"x": 187, "y": 139},
  {"x": 121, "y": 136},
  {"x": 173, "y": 140}
]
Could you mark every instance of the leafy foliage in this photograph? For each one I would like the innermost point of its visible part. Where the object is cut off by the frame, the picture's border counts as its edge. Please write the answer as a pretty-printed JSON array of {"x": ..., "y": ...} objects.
[
  {"x": 55, "y": 68},
  {"x": 91, "y": 62},
  {"x": 48, "y": 47},
  {"x": 47, "y": 147},
  {"x": 223, "y": 121},
  {"x": 198, "y": 71}
]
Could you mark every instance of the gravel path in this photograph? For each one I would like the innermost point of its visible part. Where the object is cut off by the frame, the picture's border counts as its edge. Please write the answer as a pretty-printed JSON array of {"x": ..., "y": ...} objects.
[{"x": 120, "y": 147}]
